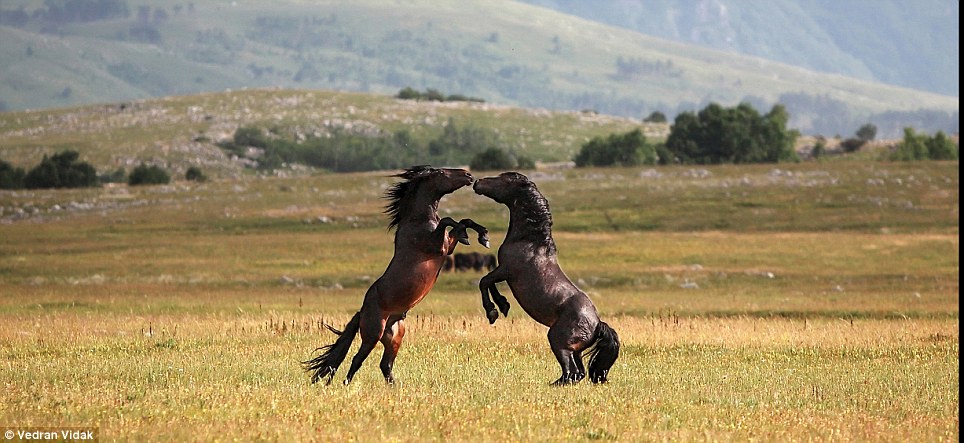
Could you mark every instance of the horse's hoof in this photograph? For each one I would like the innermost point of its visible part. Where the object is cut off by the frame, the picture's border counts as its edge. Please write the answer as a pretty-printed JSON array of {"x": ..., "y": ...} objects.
[
  {"x": 493, "y": 315},
  {"x": 484, "y": 240}
]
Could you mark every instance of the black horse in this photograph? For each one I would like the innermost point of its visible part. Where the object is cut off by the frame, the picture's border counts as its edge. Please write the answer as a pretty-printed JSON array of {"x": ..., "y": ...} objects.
[
  {"x": 527, "y": 262},
  {"x": 421, "y": 245}
]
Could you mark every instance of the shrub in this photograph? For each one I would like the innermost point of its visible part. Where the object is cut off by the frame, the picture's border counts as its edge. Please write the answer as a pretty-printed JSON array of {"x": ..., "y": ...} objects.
[
  {"x": 492, "y": 159},
  {"x": 916, "y": 146},
  {"x": 655, "y": 117},
  {"x": 819, "y": 149},
  {"x": 627, "y": 149},
  {"x": 148, "y": 175},
  {"x": 852, "y": 144},
  {"x": 10, "y": 177},
  {"x": 194, "y": 174},
  {"x": 62, "y": 170},
  {"x": 941, "y": 147},
  {"x": 118, "y": 176}
]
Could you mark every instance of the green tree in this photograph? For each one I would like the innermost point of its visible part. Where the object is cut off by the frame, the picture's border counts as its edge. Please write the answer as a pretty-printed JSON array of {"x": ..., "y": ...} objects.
[
  {"x": 912, "y": 147},
  {"x": 62, "y": 170},
  {"x": 867, "y": 132},
  {"x": 732, "y": 135},
  {"x": 941, "y": 147}
]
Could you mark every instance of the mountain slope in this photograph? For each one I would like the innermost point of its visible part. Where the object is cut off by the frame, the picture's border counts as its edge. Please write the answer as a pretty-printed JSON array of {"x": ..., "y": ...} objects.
[
  {"x": 881, "y": 40},
  {"x": 505, "y": 52}
]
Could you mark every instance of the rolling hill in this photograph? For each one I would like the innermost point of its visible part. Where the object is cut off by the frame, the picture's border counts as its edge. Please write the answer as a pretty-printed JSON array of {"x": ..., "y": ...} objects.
[{"x": 505, "y": 52}]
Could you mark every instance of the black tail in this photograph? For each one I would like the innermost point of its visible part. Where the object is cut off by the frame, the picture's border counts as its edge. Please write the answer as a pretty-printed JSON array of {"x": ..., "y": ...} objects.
[
  {"x": 332, "y": 355},
  {"x": 603, "y": 354}
]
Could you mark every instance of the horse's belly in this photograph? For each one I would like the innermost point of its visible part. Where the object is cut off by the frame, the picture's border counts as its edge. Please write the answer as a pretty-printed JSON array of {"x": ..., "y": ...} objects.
[{"x": 402, "y": 289}]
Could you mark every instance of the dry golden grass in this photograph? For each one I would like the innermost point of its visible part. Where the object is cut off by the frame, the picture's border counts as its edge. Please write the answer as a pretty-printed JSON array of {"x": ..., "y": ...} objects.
[{"x": 184, "y": 316}]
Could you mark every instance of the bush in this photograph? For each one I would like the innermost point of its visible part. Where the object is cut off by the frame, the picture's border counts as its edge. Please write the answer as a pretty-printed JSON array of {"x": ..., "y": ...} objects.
[
  {"x": 10, "y": 177},
  {"x": 194, "y": 174},
  {"x": 867, "y": 132},
  {"x": 732, "y": 135},
  {"x": 62, "y": 170},
  {"x": 118, "y": 176},
  {"x": 852, "y": 144},
  {"x": 492, "y": 159},
  {"x": 819, "y": 149},
  {"x": 655, "y": 117},
  {"x": 916, "y": 146},
  {"x": 941, "y": 147},
  {"x": 627, "y": 149},
  {"x": 148, "y": 175}
]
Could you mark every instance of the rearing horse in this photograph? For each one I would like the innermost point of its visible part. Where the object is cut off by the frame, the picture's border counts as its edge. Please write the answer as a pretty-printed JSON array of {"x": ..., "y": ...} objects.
[
  {"x": 421, "y": 245},
  {"x": 527, "y": 262}
]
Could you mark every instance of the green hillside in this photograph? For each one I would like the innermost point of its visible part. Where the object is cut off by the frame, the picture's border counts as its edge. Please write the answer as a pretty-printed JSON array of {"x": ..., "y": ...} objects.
[
  {"x": 505, "y": 52},
  {"x": 182, "y": 131}
]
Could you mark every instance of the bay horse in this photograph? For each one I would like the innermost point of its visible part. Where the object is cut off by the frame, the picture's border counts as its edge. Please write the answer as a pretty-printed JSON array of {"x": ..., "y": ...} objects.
[
  {"x": 528, "y": 264},
  {"x": 421, "y": 245}
]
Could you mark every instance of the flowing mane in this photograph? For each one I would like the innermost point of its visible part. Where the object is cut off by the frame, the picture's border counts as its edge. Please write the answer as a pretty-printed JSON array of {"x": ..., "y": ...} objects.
[
  {"x": 534, "y": 207},
  {"x": 397, "y": 192}
]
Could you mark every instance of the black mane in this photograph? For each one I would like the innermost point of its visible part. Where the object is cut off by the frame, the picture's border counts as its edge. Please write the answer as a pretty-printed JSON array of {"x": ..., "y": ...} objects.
[
  {"x": 535, "y": 208},
  {"x": 398, "y": 191}
]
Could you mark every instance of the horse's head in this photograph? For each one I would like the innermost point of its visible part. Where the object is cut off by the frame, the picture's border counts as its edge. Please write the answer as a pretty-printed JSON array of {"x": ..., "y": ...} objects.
[
  {"x": 424, "y": 181},
  {"x": 440, "y": 180},
  {"x": 504, "y": 187}
]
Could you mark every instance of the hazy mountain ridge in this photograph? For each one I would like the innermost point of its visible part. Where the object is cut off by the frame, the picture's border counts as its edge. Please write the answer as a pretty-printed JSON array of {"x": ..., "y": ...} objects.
[
  {"x": 879, "y": 41},
  {"x": 510, "y": 53}
]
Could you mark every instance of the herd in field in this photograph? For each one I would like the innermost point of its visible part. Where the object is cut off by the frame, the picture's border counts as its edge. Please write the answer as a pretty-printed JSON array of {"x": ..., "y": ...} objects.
[{"x": 425, "y": 246}]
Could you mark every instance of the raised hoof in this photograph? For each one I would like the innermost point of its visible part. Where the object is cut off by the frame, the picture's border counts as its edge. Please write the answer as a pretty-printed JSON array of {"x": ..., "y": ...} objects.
[
  {"x": 493, "y": 315},
  {"x": 484, "y": 240}
]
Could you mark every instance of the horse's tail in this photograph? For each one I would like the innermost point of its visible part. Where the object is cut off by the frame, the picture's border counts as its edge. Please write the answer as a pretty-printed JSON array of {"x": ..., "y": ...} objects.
[
  {"x": 325, "y": 364},
  {"x": 603, "y": 354}
]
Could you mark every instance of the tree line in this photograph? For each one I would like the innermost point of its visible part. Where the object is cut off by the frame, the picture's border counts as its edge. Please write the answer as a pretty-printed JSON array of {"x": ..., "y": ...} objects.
[
  {"x": 65, "y": 170},
  {"x": 740, "y": 134},
  {"x": 344, "y": 151}
]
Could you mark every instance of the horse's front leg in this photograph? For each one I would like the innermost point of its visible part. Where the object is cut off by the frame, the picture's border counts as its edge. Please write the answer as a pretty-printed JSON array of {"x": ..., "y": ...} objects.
[
  {"x": 481, "y": 230},
  {"x": 487, "y": 287},
  {"x": 458, "y": 230}
]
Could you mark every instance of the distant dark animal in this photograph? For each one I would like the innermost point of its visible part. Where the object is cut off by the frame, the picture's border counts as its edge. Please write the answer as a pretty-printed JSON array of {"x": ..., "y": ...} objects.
[
  {"x": 488, "y": 262},
  {"x": 449, "y": 264},
  {"x": 473, "y": 261},
  {"x": 527, "y": 262},
  {"x": 421, "y": 245}
]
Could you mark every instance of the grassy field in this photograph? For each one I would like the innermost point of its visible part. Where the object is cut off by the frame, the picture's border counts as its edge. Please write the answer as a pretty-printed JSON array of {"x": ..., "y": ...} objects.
[{"x": 816, "y": 301}]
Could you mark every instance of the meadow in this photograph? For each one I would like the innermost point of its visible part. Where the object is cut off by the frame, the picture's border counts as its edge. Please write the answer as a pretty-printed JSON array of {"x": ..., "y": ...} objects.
[{"x": 805, "y": 302}]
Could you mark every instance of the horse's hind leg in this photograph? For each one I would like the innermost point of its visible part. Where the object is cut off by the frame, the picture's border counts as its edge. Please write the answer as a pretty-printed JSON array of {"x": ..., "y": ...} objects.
[
  {"x": 580, "y": 369},
  {"x": 371, "y": 329},
  {"x": 392, "y": 339},
  {"x": 559, "y": 341}
]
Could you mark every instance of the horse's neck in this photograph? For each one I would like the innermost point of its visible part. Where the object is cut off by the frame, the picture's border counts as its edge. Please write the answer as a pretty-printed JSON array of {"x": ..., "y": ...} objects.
[
  {"x": 525, "y": 224},
  {"x": 421, "y": 208}
]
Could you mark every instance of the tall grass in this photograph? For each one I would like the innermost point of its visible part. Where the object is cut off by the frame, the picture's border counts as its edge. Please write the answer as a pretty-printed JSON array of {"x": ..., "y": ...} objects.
[{"x": 809, "y": 302}]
